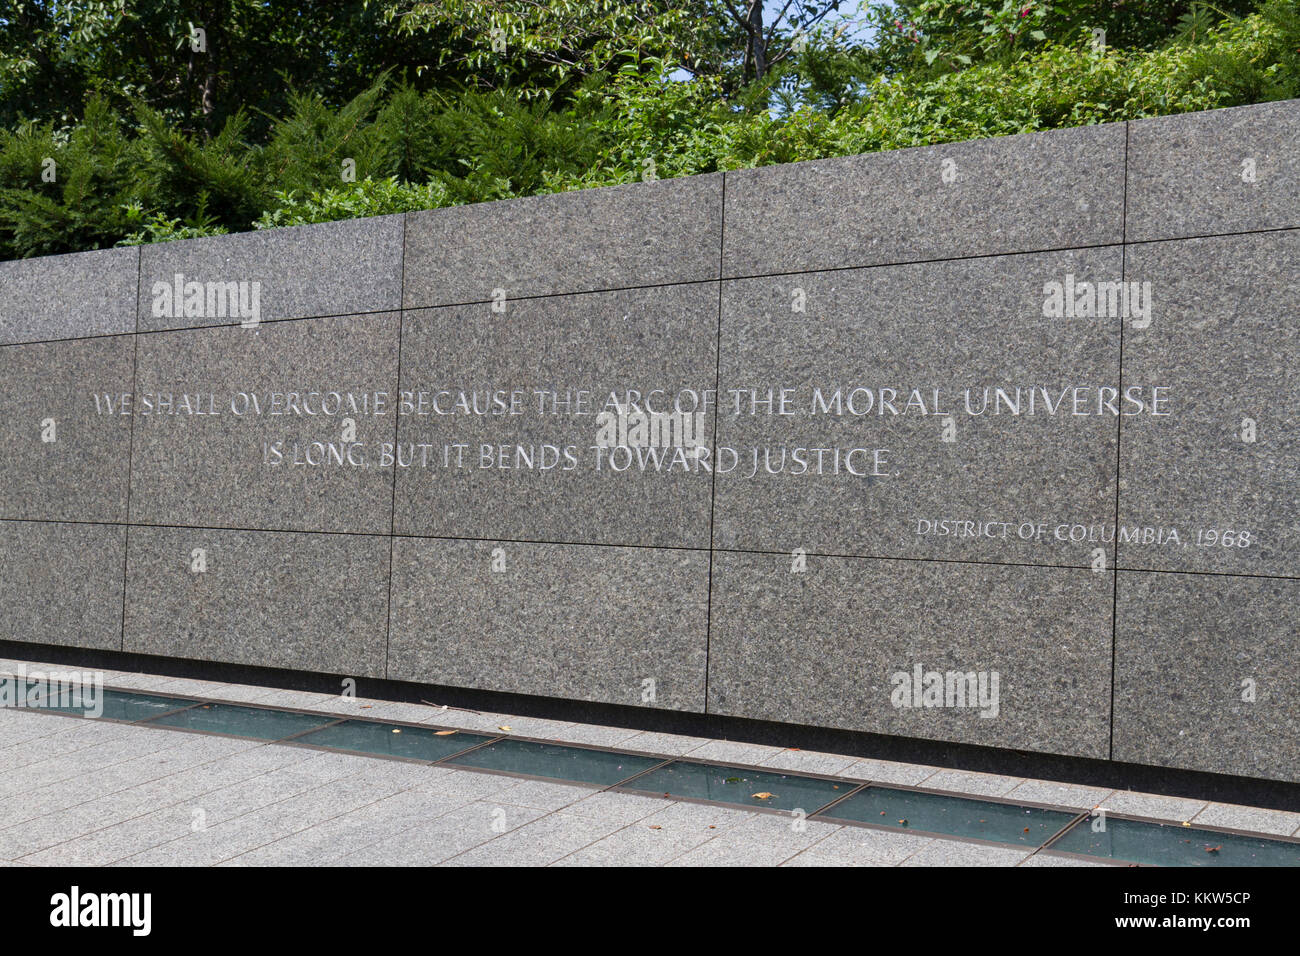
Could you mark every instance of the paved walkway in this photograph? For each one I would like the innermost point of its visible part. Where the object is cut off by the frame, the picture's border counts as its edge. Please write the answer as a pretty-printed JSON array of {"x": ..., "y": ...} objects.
[{"x": 84, "y": 792}]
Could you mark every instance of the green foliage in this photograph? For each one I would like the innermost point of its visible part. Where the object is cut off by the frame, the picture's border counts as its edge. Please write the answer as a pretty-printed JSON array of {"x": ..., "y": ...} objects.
[
  {"x": 494, "y": 146},
  {"x": 531, "y": 46},
  {"x": 159, "y": 228},
  {"x": 828, "y": 76},
  {"x": 948, "y": 35},
  {"x": 366, "y": 197},
  {"x": 409, "y": 142},
  {"x": 653, "y": 127},
  {"x": 308, "y": 147},
  {"x": 1057, "y": 86},
  {"x": 95, "y": 167},
  {"x": 54, "y": 53},
  {"x": 611, "y": 112},
  {"x": 188, "y": 174},
  {"x": 1241, "y": 71}
]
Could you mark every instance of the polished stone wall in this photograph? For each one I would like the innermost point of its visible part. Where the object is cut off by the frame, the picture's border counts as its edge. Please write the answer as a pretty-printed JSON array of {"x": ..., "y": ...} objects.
[{"x": 993, "y": 442}]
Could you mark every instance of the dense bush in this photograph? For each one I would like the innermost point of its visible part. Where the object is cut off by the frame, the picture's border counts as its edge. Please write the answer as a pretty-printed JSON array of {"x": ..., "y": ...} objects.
[{"x": 134, "y": 174}]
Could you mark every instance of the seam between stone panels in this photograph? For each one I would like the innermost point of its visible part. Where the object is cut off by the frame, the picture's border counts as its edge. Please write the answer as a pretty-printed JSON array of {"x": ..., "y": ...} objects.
[
  {"x": 262, "y": 322},
  {"x": 661, "y": 285},
  {"x": 893, "y": 263},
  {"x": 845, "y": 556},
  {"x": 1213, "y": 235},
  {"x": 130, "y": 440},
  {"x": 600, "y": 290},
  {"x": 71, "y": 338},
  {"x": 713, "y": 472},
  {"x": 397, "y": 430},
  {"x": 651, "y": 547},
  {"x": 996, "y": 564},
  {"x": 1023, "y": 252},
  {"x": 1119, "y": 443},
  {"x": 139, "y": 280}
]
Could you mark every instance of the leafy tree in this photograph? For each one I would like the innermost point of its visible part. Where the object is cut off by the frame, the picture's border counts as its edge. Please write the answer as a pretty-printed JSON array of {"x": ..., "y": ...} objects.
[
  {"x": 535, "y": 45},
  {"x": 93, "y": 172},
  {"x": 56, "y": 53},
  {"x": 149, "y": 165},
  {"x": 957, "y": 33},
  {"x": 767, "y": 43}
]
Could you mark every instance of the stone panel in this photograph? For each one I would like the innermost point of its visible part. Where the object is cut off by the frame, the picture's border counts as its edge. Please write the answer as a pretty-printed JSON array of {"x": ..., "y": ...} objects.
[
  {"x": 1207, "y": 673},
  {"x": 246, "y": 428},
  {"x": 313, "y": 602},
  {"x": 840, "y": 644},
  {"x": 580, "y": 622},
  {"x": 65, "y": 425}
]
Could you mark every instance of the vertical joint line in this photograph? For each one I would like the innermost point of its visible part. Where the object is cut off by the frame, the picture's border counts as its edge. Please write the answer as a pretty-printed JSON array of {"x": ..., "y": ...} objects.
[
  {"x": 397, "y": 426},
  {"x": 130, "y": 440},
  {"x": 717, "y": 398},
  {"x": 1119, "y": 438}
]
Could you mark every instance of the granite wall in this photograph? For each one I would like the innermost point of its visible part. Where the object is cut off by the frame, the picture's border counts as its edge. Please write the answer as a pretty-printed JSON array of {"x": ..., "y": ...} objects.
[{"x": 1022, "y": 410}]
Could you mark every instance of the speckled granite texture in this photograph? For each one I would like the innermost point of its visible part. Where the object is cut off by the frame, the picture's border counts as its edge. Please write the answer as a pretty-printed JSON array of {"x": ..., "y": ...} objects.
[{"x": 1021, "y": 409}]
